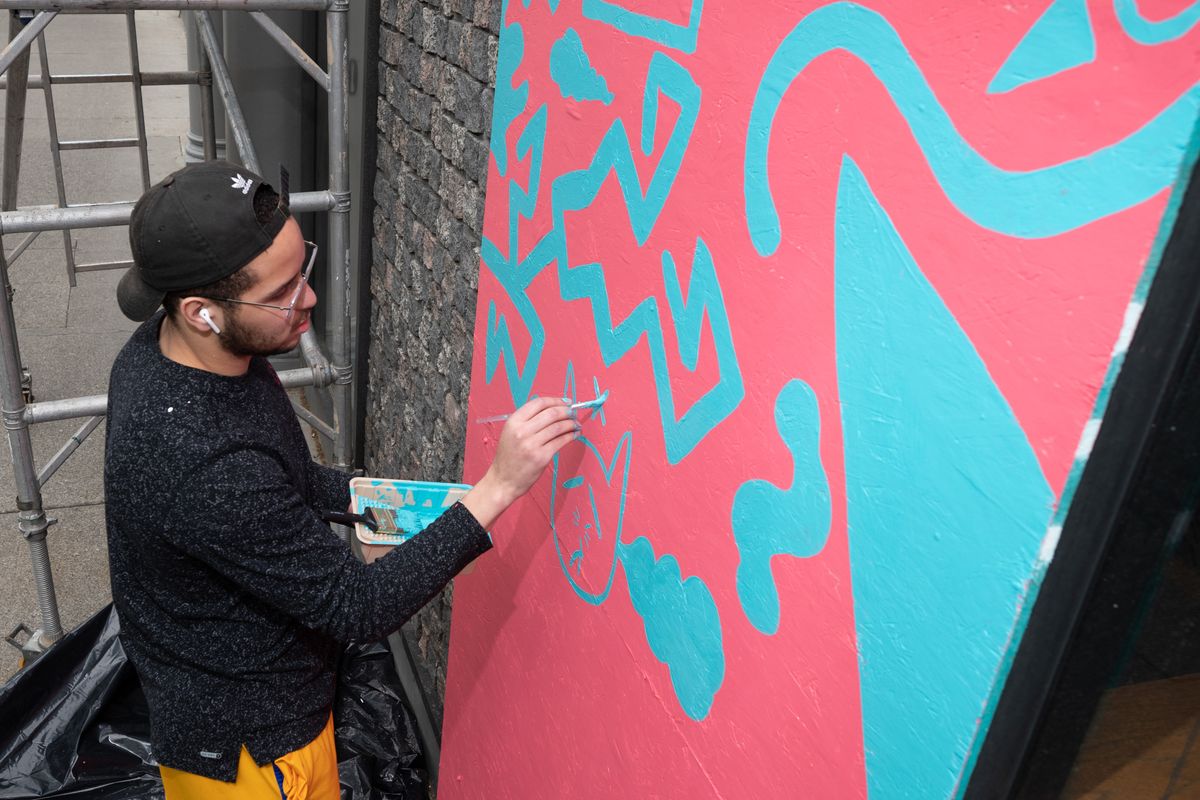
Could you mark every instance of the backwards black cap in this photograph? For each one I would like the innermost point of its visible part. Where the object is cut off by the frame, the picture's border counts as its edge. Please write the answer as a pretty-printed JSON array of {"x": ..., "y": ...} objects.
[{"x": 194, "y": 227}]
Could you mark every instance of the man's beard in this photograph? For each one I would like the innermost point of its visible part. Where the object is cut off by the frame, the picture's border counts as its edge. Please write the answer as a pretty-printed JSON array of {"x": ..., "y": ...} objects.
[{"x": 242, "y": 341}]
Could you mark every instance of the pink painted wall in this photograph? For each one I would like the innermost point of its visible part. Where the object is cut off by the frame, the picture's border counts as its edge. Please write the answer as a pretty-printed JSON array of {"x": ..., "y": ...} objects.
[{"x": 856, "y": 279}]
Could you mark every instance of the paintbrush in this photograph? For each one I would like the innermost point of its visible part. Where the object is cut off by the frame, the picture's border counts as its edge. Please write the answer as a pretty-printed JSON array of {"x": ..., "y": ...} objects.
[{"x": 599, "y": 401}]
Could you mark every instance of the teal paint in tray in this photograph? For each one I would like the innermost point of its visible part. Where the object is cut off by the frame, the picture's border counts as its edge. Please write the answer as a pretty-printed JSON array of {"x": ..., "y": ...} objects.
[{"x": 416, "y": 504}]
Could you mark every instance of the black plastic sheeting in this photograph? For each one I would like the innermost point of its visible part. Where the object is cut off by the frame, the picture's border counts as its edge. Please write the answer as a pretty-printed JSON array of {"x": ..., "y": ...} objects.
[{"x": 75, "y": 724}]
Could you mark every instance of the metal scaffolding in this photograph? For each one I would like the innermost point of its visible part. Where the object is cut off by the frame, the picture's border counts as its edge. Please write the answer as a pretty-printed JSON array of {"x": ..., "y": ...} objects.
[{"x": 18, "y": 409}]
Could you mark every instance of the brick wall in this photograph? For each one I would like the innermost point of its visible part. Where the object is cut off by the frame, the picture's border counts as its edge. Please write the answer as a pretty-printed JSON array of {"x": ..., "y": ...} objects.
[{"x": 437, "y": 67}]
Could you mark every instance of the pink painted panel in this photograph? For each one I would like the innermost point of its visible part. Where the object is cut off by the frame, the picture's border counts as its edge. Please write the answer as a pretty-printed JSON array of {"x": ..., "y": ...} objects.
[{"x": 853, "y": 278}]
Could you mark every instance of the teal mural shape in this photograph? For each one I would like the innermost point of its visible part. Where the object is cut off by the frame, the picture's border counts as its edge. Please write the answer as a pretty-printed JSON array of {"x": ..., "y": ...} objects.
[
  {"x": 680, "y": 617},
  {"x": 946, "y": 504},
  {"x": 683, "y": 626},
  {"x": 1152, "y": 32},
  {"x": 509, "y": 100},
  {"x": 571, "y": 69},
  {"x": 1031, "y": 204},
  {"x": 665, "y": 78},
  {"x": 704, "y": 301},
  {"x": 515, "y": 272},
  {"x": 770, "y": 521},
  {"x": 575, "y": 191},
  {"x": 669, "y": 34},
  {"x": 1061, "y": 39}
]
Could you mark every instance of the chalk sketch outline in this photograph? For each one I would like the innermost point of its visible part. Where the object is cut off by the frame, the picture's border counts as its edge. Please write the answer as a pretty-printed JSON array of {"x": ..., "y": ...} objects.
[{"x": 622, "y": 456}]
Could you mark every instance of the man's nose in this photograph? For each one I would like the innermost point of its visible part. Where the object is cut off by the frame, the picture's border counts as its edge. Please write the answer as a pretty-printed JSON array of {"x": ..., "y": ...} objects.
[{"x": 308, "y": 298}]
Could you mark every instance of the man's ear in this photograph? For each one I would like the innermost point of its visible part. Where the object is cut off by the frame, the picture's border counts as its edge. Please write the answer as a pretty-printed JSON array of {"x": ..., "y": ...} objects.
[{"x": 201, "y": 315}]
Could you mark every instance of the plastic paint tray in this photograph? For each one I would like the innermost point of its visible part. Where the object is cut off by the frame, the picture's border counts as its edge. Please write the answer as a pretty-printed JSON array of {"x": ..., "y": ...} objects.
[{"x": 416, "y": 504}]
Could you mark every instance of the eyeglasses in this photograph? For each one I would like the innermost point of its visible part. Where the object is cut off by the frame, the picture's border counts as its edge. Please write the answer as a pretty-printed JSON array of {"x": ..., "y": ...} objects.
[{"x": 301, "y": 282}]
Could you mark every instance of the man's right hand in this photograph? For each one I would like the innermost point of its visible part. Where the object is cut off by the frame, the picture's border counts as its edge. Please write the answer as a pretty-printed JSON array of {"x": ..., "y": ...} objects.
[{"x": 530, "y": 438}]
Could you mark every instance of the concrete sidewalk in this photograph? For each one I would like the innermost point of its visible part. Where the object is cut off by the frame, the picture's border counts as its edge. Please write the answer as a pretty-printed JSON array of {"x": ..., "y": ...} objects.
[{"x": 69, "y": 336}]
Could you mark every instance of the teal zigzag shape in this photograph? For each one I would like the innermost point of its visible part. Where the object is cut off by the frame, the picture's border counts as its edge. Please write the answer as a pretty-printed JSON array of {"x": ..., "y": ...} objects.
[
  {"x": 574, "y": 191},
  {"x": 682, "y": 434},
  {"x": 516, "y": 273}
]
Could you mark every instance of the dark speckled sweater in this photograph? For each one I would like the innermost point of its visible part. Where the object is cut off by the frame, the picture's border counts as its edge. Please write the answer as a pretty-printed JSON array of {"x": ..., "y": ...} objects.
[{"x": 232, "y": 593}]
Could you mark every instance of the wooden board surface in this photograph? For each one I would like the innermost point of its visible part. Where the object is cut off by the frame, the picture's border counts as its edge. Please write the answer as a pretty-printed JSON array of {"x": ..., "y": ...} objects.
[{"x": 1142, "y": 744}]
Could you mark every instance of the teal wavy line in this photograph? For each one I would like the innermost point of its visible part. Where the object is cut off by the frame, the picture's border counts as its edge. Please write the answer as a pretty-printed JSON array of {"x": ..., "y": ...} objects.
[
  {"x": 1144, "y": 31},
  {"x": 522, "y": 200},
  {"x": 1038, "y": 203},
  {"x": 576, "y": 190}
]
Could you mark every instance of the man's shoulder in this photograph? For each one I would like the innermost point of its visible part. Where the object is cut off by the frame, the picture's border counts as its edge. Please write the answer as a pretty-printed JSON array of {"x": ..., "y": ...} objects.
[
  {"x": 157, "y": 417},
  {"x": 137, "y": 361}
]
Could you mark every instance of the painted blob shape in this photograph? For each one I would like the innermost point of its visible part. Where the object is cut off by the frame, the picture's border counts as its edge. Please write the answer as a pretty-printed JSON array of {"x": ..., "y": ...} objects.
[
  {"x": 1060, "y": 39},
  {"x": 656, "y": 29},
  {"x": 770, "y": 521},
  {"x": 587, "y": 510},
  {"x": 1034, "y": 204},
  {"x": 683, "y": 626},
  {"x": 1151, "y": 32},
  {"x": 946, "y": 508},
  {"x": 572, "y": 71}
]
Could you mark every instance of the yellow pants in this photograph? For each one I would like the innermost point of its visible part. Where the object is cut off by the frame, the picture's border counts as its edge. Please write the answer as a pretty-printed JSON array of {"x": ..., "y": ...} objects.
[{"x": 309, "y": 773}]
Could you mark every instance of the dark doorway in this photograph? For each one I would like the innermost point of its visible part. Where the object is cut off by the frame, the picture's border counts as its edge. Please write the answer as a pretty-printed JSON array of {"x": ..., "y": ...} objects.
[
  {"x": 1142, "y": 742},
  {"x": 1103, "y": 699}
]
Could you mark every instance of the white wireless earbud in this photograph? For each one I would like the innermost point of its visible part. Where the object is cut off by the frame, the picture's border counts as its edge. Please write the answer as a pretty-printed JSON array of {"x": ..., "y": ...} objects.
[{"x": 208, "y": 320}]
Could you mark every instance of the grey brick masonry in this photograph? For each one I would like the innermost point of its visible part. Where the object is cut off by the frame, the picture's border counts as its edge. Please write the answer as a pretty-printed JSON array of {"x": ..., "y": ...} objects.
[{"x": 437, "y": 72}]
